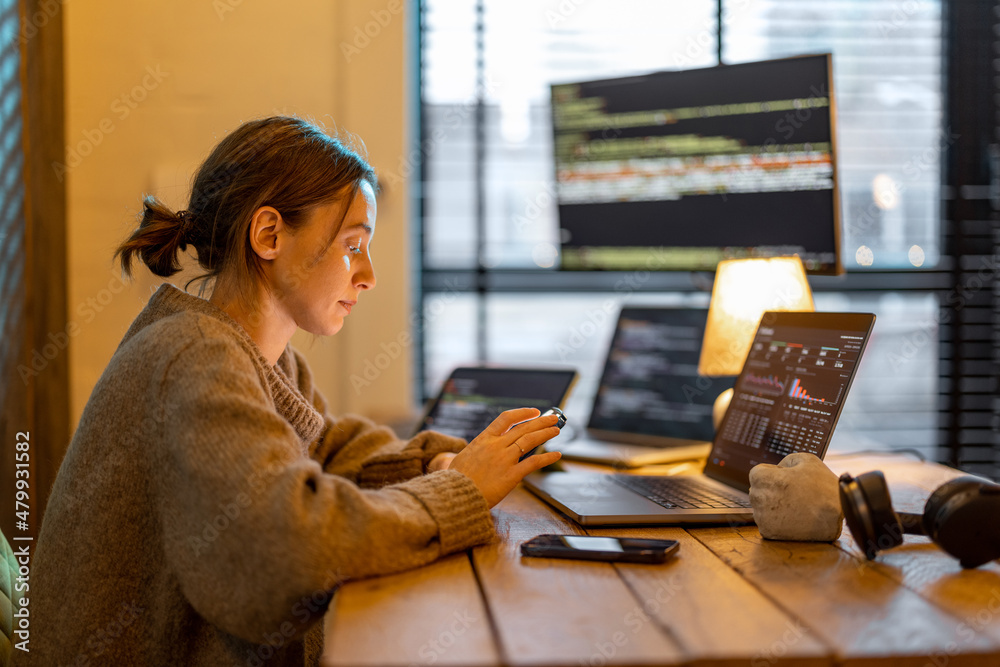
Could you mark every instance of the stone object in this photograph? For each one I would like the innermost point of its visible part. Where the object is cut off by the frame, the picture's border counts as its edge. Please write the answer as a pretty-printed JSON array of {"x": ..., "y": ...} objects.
[{"x": 798, "y": 499}]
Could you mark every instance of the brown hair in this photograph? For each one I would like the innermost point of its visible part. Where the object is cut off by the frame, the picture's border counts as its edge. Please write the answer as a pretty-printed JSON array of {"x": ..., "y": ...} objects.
[{"x": 283, "y": 162}]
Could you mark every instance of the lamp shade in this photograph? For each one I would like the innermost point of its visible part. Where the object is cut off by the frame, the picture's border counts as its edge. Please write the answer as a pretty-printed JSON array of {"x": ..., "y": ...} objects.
[{"x": 744, "y": 290}]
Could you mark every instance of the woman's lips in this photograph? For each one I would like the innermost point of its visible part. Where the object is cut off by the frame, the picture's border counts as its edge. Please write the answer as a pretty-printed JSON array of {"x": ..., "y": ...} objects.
[{"x": 347, "y": 305}]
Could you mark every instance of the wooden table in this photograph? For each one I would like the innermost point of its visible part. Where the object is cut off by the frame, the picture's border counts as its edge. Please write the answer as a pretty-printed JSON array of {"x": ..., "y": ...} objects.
[{"x": 728, "y": 598}]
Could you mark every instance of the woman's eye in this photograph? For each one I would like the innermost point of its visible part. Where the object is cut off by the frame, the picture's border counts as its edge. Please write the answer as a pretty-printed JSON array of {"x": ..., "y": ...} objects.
[{"x": 354, "y": 249}]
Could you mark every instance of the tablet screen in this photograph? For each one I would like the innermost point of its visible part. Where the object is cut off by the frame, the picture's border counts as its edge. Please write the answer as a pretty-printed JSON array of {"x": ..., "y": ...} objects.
[{"x": 471, "y": 398}]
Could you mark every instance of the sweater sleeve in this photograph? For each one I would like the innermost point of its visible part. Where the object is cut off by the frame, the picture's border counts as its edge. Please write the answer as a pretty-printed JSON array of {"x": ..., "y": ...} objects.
[
  {"x": 253, "y": 527},
  {"x": 369, "y": 455}
]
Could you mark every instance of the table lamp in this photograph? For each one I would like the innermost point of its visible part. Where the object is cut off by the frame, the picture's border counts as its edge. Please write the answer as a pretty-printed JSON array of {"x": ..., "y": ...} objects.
[{"x": 744, "y": 290}]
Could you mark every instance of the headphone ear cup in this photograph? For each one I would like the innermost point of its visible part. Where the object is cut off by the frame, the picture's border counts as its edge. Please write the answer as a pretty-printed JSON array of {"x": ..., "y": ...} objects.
[
  {"x": 963, "y": 518},
  {"x": 888, "y": 530},
  {"x": 941, "y": 495},
  {"x": 867, "y": 507}
]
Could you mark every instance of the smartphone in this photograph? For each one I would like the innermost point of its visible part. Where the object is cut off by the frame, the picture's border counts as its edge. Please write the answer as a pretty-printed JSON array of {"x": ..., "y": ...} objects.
[
  {"x": 559, "y": 424},
  {"x": 610, "y": 549}
]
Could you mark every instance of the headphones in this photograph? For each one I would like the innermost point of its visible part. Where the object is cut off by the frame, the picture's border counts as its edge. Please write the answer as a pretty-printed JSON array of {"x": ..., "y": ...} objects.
[{"x": 962, "y": 517}]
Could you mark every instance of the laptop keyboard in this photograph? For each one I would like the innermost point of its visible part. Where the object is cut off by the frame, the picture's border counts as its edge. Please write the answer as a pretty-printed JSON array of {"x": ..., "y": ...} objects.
[{"x": 680, "y": 492}]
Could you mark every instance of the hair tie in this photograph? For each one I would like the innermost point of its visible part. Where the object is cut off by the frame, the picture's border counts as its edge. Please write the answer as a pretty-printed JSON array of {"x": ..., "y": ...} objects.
[{"x": 187, "y": 221}]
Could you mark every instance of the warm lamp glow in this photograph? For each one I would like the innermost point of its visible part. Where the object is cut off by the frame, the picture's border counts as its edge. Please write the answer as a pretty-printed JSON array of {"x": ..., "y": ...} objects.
[{"x": 744, "y": 290}]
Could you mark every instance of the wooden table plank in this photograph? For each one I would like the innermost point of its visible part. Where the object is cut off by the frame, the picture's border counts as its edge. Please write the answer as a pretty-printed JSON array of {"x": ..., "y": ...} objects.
[
  {"x": 870, "y": 618},
  {"x": 431, "y": 615},
  {"x": 714, "y": 614},
  {"x": 561, "y": 612}
]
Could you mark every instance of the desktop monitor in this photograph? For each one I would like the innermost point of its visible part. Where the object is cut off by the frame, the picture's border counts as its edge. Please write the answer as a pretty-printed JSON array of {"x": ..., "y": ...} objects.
[{"x": 679, "y": 170}]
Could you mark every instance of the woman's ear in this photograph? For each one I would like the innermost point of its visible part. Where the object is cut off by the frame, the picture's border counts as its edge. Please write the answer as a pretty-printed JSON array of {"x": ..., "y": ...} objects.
[{"x": 265, "y": 228}]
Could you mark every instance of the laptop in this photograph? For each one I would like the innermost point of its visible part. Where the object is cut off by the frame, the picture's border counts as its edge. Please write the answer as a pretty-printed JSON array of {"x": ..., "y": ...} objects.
[
  {"x": 787, "y": 399},
  {"x": 651, "y": 406},
  {"x": 472, "y": 397}
]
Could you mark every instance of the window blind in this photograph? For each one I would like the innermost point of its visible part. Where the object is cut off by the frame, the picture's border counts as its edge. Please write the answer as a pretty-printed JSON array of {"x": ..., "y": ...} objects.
[{"x": 12, "y": 247}]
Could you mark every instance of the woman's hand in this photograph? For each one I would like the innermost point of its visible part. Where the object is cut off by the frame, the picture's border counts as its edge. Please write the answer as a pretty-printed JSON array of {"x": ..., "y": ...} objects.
[{"x": 491, "y": 459}]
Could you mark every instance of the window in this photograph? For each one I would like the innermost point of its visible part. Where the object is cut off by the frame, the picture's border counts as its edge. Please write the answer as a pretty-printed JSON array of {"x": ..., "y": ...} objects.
[{"x": 489, "y": 229}]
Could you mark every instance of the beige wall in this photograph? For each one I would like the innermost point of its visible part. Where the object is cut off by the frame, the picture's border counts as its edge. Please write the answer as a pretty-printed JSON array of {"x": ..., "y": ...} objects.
[{"x": 153, "y": 86}]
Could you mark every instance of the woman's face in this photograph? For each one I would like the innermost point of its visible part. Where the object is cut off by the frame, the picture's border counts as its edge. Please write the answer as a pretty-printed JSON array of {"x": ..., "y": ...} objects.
[{"x": 317, "y": 281}]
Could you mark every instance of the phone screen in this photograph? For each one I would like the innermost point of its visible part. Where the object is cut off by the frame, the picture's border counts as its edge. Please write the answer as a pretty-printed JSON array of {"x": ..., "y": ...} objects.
[{"x": 611, "y": 544}]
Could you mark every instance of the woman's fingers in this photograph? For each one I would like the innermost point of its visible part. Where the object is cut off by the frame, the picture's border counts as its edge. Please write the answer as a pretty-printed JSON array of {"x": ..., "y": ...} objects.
[
  {"x": 532, "y": 439},
  {"x": 508, "y": 418},
  {"x": 536, "y": 462},
  {"x": 533, "y": 426}
]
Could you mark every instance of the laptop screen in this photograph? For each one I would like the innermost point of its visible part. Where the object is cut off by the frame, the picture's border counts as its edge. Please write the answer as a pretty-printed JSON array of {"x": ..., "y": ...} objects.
[
  {"x": 650, "y": 384},
  {"x": 791, "y": 390},
  {"x": 472, "y": 397}
]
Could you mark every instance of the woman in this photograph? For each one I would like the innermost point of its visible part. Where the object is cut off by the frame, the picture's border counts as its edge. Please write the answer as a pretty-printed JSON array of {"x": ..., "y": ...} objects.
[{"x": 208, "y": 502}]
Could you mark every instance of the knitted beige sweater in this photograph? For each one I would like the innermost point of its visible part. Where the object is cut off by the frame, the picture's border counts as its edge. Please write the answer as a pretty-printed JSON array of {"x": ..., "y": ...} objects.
[{"x": 208, "y": 504}]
